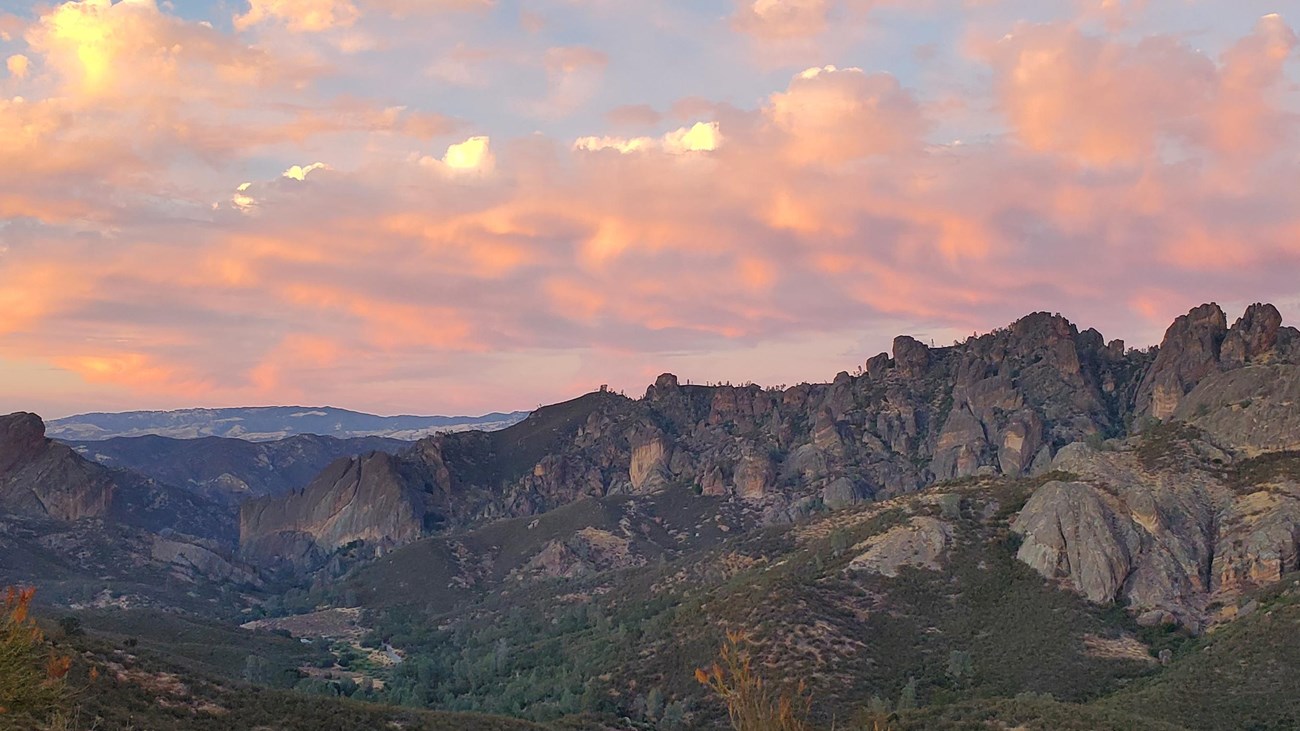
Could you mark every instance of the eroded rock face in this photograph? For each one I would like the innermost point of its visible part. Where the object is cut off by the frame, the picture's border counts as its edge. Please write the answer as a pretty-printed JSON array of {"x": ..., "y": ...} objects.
[
  {"x": 1188, "y": 353},
  {"x": 192, "y": 560},
  {"x": 1199, "y": 345},
  {"x": 1259, "y": 540},
  {"x": 1252, "y": 336},
  {"x": 377, "y": 498},
  {"x": 42, "y": 478},
  {"x": 911, "y": 357},
  {"x": 587, "y": 551},
  {"x": 920, "y": 542},
  {"x": 1075, "y": 532},
  {"x": 1172, "y": 541},
  {"x": 1249, "y": 410},
  {"x": 648, "y": 468}
]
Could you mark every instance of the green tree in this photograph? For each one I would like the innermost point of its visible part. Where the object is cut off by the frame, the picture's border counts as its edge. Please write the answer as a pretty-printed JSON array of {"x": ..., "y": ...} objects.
[
  {"x": 907, "y": 698},
  {"x": 654, "y": 704}
]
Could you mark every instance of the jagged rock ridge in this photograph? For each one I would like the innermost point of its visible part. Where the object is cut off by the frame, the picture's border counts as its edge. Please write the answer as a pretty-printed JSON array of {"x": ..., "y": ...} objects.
[{"x": 1002, "y": 403}]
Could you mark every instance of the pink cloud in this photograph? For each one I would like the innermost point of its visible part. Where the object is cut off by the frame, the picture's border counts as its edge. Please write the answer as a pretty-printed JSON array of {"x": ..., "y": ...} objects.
[{"x": 432, "y": 263}]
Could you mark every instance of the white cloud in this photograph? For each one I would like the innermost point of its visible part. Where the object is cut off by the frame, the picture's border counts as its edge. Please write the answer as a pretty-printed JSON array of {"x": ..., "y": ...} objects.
[
  {"x": 300, "y": 173},
  {"x": 699, "y": 137},
  {"x": 474, "y": 154}
]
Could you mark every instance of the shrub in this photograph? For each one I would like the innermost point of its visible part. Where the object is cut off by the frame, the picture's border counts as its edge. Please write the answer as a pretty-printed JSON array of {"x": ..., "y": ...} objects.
[
  {"x": 751, "y": 703},
  {"x": 31, "y": 674}
]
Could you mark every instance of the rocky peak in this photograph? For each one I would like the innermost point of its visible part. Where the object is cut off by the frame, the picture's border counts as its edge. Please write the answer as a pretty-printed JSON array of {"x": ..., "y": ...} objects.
[
  {"x": 1001, "y": 403},
  {"x": 911, "y": 356},
  {"x": 1254, "y": 334},
  {"x": 42, "y": 478},
  {"x": 666, "y": 381},
  {"x": 1188, "y": 353},
  {"x": 877, "y": 365},
  {"x": 1041, "y": 329},
  {"x": 22, "y": 436}
]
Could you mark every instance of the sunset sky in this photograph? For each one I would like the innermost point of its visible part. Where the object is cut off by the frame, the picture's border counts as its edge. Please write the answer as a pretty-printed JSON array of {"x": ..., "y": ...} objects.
[{"x": 437, "y": 206}]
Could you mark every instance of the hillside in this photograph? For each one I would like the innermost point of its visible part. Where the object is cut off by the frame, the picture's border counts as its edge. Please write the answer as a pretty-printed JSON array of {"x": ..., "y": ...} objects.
[{"x": 230, "y": 470}]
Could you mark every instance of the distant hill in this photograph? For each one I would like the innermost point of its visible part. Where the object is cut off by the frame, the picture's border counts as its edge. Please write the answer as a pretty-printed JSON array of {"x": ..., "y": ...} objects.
[
  {"x": 231, "y": 470},
  {"x": 267, "y": 423}
]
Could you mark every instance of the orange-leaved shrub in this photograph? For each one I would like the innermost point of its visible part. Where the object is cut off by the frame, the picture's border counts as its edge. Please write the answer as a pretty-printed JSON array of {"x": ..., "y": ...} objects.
[
  {"x": 752, "y": 704},
  {"x": 31, "y": 674}
]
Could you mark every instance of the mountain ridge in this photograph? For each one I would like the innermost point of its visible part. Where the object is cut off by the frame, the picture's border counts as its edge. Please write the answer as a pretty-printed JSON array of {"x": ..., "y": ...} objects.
[
  {"x": 1000, "y": 403},
  {"x": 266, "y": 423}
]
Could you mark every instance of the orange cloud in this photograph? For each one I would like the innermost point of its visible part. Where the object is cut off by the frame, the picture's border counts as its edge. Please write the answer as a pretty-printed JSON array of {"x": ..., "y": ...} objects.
[
  {"x": 17, "y": 65},
  {"x": 1099, "y": 101},
  {"x": 832, "y": 115},
  {"x": 309, "y": 16},
  {"x": 1105, "y": 102}
]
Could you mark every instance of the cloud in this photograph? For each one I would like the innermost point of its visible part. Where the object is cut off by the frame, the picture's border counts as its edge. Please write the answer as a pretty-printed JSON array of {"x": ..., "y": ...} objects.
[
  {"x": 472, "y": 155},
  {"x": 573, "y": 76},
  {"x": 633, "y": 115},
  {"x": 299, "y": 16},
  {"x": 831, "y": 115},
  {"x": 297, "y": 172},
  {"x": 767, "y": 224},
  {"x": 17, "y": 65},
  {"x": 781, "y": 19},
  {"x": 1143, "y": 98},
  {"x": 699, "y": 137}
]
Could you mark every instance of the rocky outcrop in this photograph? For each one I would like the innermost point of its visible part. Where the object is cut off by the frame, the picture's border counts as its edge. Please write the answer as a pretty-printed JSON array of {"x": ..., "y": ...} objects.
[
  {"x": 41, "y": 478},
  {"x": 1078, "y": 533},
  {"x": 1188, "y": 353},
  {"x": 1199, "y": 344},
  {"x": 377, "y": 498},
  {"x": 919, "y": 543},
  {"x": 588, "y": 551},
  {"x": 195, "y": 560},
  {"x": 1258, "y": 541},
  {"x": 1174, "y": 539},
  {"x": 1250, "y": 410},
  {"x": 1251, "y": 337},
  {"x": 648, "y": 469}
]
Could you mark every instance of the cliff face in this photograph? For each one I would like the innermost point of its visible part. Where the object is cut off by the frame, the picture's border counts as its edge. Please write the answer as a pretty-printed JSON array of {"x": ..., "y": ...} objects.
[
  {"x": 230, "y": 470},
  {"x": 377, "y": 498},
  {"x": 1167, "y": 523},
  {"x": 1003, "y": 403},
  {"x": 40, "y": 478}
]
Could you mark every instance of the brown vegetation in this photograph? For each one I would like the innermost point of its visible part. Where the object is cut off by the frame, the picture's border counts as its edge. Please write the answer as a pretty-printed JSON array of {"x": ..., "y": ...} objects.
[{"x": 752, "y": 705}]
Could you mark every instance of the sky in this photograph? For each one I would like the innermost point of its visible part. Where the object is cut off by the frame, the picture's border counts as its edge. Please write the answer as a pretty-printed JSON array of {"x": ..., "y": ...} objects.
[{"x": 461, "y": 206}]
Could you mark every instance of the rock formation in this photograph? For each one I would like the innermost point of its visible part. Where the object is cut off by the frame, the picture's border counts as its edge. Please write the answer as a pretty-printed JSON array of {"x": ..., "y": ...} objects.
[
  {"x": 1173, "y": 535},
  {"x": 1003, "y": 403},
  {"x": 41, "y": 478}
]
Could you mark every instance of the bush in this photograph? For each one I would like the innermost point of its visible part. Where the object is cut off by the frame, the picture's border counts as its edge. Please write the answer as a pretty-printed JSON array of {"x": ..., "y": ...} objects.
[
  {"x": 31, "y": 674},
  {"x": 751, "y": 703}
]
